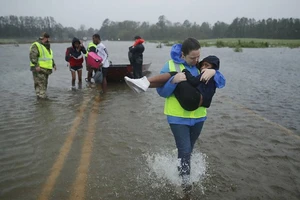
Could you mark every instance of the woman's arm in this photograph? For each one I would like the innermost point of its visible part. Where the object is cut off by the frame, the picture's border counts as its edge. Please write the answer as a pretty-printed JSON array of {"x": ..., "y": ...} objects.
[
  {"x": 83, "y": 50},
  {"x": 168, "y": 88},
  {"x": 219, "y": 79},
  {"x": 67, "y": 57}
]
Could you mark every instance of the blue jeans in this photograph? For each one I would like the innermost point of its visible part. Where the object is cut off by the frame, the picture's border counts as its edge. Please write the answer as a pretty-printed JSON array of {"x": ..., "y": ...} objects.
[{"x": 185, "y": 138}]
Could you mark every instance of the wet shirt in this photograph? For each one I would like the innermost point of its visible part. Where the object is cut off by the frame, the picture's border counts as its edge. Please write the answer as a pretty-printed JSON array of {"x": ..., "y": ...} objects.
[{"x": 102, "y": 52}]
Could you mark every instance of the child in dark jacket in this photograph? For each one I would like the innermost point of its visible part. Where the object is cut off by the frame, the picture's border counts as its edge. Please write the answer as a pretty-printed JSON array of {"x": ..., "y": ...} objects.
[
  {"x": 74, "y": 56},
  {"x": 191, "y": 93}
]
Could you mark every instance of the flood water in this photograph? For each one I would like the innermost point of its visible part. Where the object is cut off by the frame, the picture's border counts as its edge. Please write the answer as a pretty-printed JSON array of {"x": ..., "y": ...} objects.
[{"x": 80, "y": 145}]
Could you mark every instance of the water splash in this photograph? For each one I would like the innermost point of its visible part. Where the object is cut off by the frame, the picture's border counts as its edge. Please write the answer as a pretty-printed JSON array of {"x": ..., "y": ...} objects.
[{"x": 162, "y": 169}]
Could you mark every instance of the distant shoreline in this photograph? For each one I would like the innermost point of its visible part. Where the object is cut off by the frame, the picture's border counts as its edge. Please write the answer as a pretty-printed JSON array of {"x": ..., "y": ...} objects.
[
  {"x": 220, "y": 42},
  {"x": 21, "y": 41}
]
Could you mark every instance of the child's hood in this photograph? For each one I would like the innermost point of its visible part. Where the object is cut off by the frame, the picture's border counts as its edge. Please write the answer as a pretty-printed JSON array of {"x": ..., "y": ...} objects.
[{"x": 213, "y": 60}]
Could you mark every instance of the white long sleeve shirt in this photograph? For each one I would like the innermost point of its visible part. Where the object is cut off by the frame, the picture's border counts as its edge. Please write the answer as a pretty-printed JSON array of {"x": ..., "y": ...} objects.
[{"x": 102, "y": 52}]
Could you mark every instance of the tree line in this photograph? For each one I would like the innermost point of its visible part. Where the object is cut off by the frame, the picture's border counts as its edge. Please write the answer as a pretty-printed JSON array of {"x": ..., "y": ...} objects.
[{"x": 30, "y": 27}]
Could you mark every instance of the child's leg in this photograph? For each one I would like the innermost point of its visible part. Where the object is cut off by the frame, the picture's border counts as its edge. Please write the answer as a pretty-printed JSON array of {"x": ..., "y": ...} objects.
[
  {"x": 142, "y": 84},
  {"x": 207, "y": 91},
  {"x": 79, "y": 73},
  {"x": 188, "y": 96},
  {"x": 73, "y": 74},
  {"x": 160, "y": 80}
]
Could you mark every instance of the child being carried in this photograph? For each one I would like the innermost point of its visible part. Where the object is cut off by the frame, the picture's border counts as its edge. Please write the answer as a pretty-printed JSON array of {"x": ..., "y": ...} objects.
[{"x": 191, "y": 93}]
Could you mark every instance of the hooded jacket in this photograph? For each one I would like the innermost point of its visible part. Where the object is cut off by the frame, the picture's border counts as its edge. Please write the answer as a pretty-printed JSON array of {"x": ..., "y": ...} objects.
[
  {"x": 73, "y": 56},
  {"x": 213, "y": 60},
  {"x": 207, "y": 90},
  {"x": 168, "y": 89}
]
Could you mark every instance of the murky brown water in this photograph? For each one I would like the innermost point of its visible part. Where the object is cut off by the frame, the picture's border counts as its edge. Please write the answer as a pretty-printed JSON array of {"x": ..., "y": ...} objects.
[{"x": 78, "y": 145}]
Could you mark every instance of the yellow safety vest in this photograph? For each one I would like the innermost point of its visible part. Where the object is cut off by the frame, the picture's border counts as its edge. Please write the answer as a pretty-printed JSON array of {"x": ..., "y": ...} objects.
[
  {"x": 91, "y": 44},
  {"x": 172, "y": 106},
  {"x": 45, "y": 59}
]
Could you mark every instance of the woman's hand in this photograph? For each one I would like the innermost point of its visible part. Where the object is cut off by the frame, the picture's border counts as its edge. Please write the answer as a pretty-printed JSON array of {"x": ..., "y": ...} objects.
[
  {"x": 207, "y": 74},
  {"x": 179, "y": 77}
]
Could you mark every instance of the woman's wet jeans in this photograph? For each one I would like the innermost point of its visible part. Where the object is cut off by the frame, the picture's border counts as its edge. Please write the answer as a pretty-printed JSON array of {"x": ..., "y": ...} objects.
[{"x": 185, "y": 138}]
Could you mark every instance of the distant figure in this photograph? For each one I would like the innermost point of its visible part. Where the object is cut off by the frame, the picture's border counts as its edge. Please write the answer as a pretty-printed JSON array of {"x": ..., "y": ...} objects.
[
  {"x": 135, "y": 55},
  {"x": 74, "y": 57},
  {"x": 41, "y": 64}
]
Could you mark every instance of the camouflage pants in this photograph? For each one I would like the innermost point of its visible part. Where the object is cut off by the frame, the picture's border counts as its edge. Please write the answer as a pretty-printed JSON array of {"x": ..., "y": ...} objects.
[{"x": 40, "y": 83}]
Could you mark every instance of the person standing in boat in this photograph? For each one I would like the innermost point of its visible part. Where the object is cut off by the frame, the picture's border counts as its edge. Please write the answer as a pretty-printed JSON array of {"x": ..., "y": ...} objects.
[
  {"x": 74, "y": 57},
  {"x": 135, "y": 55},
  {"x": 41, "y": 64}
]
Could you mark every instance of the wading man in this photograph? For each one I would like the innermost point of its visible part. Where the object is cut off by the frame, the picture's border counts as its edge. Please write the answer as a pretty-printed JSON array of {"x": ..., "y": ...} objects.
[{"x": 41, "y": 64}]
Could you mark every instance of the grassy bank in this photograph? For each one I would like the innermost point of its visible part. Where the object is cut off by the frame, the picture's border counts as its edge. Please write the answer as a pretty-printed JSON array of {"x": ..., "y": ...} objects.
[
  {"x": 242, "y": 43},
  {"x": 250, "y": 43},
  {"x": 235, "y": 43}
]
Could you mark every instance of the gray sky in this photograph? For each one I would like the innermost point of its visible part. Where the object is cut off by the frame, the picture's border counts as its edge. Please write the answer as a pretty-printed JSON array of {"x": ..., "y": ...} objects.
[{"x": 91, "y": 13}]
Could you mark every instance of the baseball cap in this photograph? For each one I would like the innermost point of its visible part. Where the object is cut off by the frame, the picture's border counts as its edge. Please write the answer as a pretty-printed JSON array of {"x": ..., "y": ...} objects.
[{"x": 44, "y": 35}]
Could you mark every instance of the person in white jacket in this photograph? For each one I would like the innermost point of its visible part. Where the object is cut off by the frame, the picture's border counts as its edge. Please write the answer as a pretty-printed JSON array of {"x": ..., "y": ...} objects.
[{"x": 102, "y": 52}]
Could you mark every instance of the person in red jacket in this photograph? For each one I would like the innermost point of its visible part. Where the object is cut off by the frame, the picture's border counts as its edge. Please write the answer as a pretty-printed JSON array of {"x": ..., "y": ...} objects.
[
  {"x": 74, "y": 56},
  {"x": 135, "y": 55}
]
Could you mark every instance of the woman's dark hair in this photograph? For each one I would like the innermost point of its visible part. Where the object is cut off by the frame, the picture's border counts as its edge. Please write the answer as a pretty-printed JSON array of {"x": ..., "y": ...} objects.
[{"x": 190, "y": 44}]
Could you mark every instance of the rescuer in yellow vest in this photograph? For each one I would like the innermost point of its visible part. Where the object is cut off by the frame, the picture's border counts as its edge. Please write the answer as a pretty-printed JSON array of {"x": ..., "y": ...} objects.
[
  {"x": 41, "y": 64},
  {"x": 92, "y": 47},
  {"x": 185, "y": 125}
]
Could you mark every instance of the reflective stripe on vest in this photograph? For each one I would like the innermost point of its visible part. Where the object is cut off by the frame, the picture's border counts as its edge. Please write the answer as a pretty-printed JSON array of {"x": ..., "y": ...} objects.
[
  {"x": 91, "y": 44},
  {"x": 172, "y": 106},
  {"x": 45, "y": 59}
]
